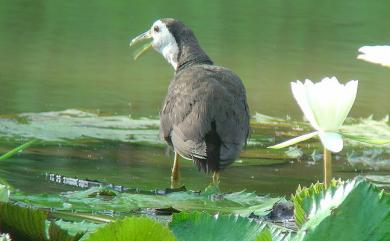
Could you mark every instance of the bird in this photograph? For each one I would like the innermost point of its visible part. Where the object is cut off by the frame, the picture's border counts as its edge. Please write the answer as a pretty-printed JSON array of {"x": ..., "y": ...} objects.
[{"x": 205, "y": 115}]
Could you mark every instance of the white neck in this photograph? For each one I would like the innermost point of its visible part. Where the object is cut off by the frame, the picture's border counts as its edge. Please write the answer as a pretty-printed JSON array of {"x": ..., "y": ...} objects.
[{"x": 170, "y": 52}]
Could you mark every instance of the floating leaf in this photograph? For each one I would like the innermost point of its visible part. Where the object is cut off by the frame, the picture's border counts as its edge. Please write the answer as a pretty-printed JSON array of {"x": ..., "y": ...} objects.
[
  {"x": 366, "y": 139},
  {"x": 73, "y": 125},
  {"x": 212, "y": 201},
  {"x": 56, "y": 233},
  {"x": 197, "y": 226},
  {"x": 133, "y": 229}
]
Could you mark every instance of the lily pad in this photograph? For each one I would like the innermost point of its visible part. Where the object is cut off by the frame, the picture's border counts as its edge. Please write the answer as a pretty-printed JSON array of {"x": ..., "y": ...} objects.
[
  {"x": 202, "y": 226},
  {"x": 23, "y": 222},
  {"x": 133, "y": 229},
  {"x": 354, "y": 210},
  {"x": 56, "y": 233},
  {"x": 242, "y": 202}
]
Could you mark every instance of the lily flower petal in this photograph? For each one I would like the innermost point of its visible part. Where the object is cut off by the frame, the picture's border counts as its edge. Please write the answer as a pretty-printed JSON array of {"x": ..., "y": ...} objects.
[
  {"x": 332, "y": 141},
  {"x": 331, "y": 102},
  {"x": 375, "y": 54},
  {"x": 322, "y": 98},
  {"x": 299, "y": 91},
  {"x": 345, "y": 99}
]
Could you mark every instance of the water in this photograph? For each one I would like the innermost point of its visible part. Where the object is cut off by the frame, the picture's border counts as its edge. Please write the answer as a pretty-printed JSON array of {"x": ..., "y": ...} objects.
[
  {"x": 59, "y": 55},
  {"x": 120, "y": 150}
]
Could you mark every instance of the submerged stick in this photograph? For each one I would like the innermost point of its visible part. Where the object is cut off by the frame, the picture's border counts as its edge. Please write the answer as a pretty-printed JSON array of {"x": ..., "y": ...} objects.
[
  {"x": 17, "y": 149},
  {"x": 79, "y": 216},
  {"x": 327, "y": 167}
]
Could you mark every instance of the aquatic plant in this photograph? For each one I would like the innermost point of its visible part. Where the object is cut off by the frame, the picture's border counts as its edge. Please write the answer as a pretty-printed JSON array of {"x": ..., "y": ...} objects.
[
  {"x": 338, "y": 212},
  {"x": 326, "y": 105}
]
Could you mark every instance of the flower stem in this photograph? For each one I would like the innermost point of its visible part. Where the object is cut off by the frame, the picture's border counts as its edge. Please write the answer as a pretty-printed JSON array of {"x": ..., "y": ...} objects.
[{"x": 327, "y": 167}]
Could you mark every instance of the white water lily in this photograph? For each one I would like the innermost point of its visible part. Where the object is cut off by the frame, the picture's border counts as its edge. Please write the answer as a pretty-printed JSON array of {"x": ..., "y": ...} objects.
[
  {"x": 375, "y": 54},
  {"x": 326, "y": 105}
]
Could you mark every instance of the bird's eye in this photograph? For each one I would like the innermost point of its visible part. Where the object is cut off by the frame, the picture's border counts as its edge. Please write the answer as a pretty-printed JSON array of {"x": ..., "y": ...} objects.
[{"x": 156, "y": 29}]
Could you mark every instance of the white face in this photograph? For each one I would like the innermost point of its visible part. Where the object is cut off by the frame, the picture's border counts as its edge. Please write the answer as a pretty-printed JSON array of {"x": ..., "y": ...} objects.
[{"x": 164, "y": 42}]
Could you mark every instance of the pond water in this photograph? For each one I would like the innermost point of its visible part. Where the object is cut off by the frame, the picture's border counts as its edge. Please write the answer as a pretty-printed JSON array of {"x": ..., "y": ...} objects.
[{"x": 67, "y": 78}]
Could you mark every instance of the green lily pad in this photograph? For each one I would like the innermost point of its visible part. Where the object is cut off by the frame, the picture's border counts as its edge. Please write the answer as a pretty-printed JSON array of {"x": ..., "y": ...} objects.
[
  {"x": 56, "y": 233},
  {"x": 354, "y": 210},
  {"x": 132, "y": 229},
  {"x": 212, "y": 201},
  {"x": 265, "y": 235},
  {"x": 202, "y": 226},
  {"x": 274, "y": 233},
  {"x": 23, "y": 222},
  {"x": 77, "y": 228}
]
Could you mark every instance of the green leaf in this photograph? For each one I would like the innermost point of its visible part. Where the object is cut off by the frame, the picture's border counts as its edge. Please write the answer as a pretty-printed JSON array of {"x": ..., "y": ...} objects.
[
  {"x": 17, "y": 150},
  {"x": 265, "y": 235},
  {"x": 302, "y": 199},
  {"x": 280, "y": 233},
  {"x": 25, "y": 222},
  {"x": 197, "y": 226},
  {"x": 354, "y": 210},
  {"x": 56, "y": 233},
  {"x": 133, "y": 229},
  {"x": 274, "y": 233},
  {"x": 294, "y": 140}
]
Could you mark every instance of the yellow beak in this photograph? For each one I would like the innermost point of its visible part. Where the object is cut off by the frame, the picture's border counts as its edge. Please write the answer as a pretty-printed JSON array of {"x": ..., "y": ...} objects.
[{"x": 142, "y": 37}]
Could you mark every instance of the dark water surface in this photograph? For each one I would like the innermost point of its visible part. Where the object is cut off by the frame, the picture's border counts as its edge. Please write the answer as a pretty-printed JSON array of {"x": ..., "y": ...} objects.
[{"x": 59, "y": 55}]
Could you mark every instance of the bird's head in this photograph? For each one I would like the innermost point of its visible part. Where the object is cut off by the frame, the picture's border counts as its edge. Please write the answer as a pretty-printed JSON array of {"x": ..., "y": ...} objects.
[{"x": 173, "y": 40}]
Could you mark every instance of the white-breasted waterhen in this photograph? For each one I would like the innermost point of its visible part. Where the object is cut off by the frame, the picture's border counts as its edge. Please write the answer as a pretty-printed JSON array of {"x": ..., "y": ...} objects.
[{"x": 205, "y": 115}]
